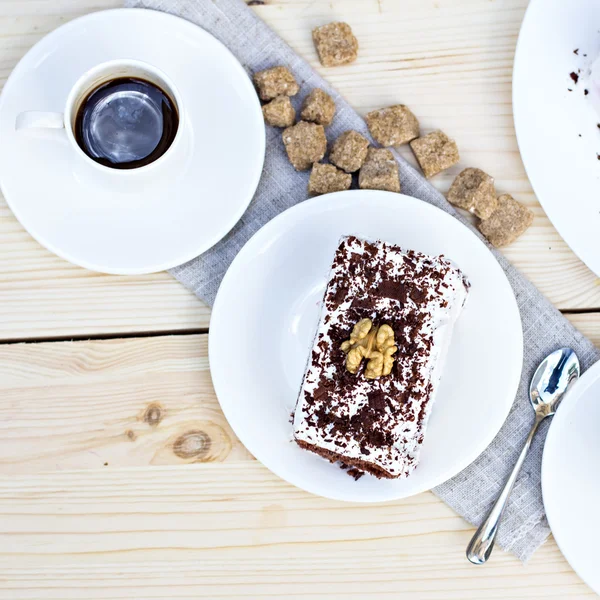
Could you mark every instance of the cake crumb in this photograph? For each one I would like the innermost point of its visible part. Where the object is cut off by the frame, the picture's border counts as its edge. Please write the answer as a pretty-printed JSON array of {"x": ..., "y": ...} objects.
[
  {"x": 574, "y": 76},
  {"x": 474, "y": 190},
  {"x": 335, "y": 44},
  {"x": 379, "y": 171},
  {"x": 279, "y": 112},
  {"x": 349, "y": 151},
  {"x": 393, "y": 126},
  {"x": 355, "y": 473},
  {"x": 276, "y": 81},
  {"x": 318, "y": 107},
  {"x": 305, "y": 144},
  {"x": 325, "y": 179},
  {"x": 435, "y": 152},
  {"x": 507, "y": 222}
]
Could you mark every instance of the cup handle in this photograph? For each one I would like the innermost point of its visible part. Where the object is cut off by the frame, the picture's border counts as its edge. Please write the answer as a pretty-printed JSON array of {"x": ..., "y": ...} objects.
[{"x": 36, "y": 119}]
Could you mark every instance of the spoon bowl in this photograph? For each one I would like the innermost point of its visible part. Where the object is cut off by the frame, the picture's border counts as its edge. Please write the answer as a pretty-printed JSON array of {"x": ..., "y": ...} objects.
[{"x": 552, "y": 379}]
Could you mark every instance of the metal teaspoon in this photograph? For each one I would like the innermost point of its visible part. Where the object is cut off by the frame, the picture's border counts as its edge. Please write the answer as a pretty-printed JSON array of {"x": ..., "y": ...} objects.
[{"x": 547, "y": 389}]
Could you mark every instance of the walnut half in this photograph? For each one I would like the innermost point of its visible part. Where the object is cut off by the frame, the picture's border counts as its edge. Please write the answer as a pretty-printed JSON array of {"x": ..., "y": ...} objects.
[{"x": 376, "y": 344}]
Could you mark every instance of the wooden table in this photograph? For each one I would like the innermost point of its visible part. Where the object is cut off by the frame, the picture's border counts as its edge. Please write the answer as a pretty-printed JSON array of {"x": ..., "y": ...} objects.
[{"x": 119, "y": 476}]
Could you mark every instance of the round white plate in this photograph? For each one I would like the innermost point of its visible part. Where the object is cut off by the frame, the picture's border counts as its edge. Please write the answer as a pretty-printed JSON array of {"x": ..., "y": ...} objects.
[
  {"x": 98, "y": 222},
  {"x": 563, "y": 168},
  {"x": 265, "y": 317},
  {"x": 570, "y": 476}
]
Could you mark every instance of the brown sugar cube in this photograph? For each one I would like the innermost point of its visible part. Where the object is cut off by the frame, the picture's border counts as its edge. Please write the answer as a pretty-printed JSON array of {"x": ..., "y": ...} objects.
[
  {"x": 393, "y": 126},
  {"x": 277, "y": 81},
  {"x": 305, "y": 144},
  {"x": 349, "y": 151},
  {"x": 435, "y": 152},
  {"x": 507, "y": 223},
  {"x": 327, "y": 178},
  {"x": 335, "y": 44},
  {"x": 279, "y": 112},
  {"x": 379, "y": 171},
  {"x": 318, "y": 107},
  {"x": 474, "y": 190}
]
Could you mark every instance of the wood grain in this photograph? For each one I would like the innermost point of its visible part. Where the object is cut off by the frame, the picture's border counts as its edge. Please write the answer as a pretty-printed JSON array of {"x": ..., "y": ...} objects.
[
  {"x": 42, "y": 296},
  {"x": 81, "y": 516},
  {"x": 236, "y": 531},
  {"x": 110, "y": 403},
  {"x": 450, "y": 61},
  {"x": 120, "y": 403},
  {"x": 588, "y": 324}
]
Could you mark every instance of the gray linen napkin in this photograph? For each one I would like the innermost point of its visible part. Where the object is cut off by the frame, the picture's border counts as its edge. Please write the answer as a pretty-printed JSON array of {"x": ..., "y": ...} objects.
[{"x": 472, "y": 491}]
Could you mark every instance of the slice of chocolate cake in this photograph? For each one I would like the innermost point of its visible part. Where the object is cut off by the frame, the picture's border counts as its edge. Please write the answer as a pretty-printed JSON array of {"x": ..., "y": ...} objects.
[{"x": 384, "y": 330}]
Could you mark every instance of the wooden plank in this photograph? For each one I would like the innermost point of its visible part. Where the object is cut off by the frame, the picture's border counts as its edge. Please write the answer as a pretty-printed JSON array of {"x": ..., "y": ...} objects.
[
  {"x": 120, "y": 403},
  {"x": 42, "y": 297},
  {"x": 100, "y": 404},
  {"x": 451, "y": 61},
  {"x": 236, "y": 531},
  {"x": 588, "y": 324},
  {"x": 91, "y": 510}
]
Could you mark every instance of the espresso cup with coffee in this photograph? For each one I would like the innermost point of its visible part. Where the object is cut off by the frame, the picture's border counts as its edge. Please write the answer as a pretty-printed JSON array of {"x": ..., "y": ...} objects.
[{"x": 121, "y": 115}]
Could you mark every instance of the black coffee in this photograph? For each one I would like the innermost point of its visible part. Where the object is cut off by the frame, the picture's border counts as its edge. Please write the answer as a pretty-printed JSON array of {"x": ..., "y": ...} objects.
[{"x": 126, "y": 123}]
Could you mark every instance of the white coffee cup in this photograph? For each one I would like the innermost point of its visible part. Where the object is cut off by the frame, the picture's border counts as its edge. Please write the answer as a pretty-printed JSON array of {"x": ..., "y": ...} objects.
[{"x": 89, "y": 81}]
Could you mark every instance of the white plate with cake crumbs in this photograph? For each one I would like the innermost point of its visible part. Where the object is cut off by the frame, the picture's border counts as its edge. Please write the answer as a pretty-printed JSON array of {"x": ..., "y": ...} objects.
[
  {"x": 556, "y": 102},
  {"x": 570, "y": 483},
  {"x": 265, "y": 319},
  {"x": 138, "y": 220}
]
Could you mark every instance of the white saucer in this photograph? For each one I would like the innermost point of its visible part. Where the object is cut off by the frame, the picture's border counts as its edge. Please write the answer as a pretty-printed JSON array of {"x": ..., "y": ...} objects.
[
  {"x": 562, "y": 167},
  {"x": 155, "y": 223},
  {"x": 570, "y": 482},
  {"x": 266, "y": 312}
]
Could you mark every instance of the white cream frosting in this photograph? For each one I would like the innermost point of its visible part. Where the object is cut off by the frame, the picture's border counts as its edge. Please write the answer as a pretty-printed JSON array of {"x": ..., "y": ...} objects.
[{"x": 404, "y": 418}]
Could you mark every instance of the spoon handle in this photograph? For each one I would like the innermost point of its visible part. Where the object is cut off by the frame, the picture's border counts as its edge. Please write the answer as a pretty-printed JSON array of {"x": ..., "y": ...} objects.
[{"x": 481, "y": 544}]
